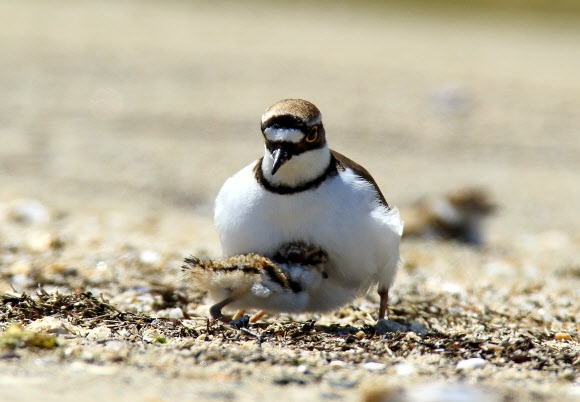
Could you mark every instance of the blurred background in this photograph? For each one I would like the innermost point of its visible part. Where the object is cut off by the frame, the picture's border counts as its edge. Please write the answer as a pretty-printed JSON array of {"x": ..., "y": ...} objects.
[{"x": 141, "y": 109}]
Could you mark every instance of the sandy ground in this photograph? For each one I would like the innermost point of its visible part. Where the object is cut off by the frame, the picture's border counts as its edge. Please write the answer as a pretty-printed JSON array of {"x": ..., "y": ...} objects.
[{"x": 123, "y": 119}]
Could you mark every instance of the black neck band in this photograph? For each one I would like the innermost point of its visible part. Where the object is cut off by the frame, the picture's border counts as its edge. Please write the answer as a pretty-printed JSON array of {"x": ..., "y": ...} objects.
[{"x": 330, "y": 171}]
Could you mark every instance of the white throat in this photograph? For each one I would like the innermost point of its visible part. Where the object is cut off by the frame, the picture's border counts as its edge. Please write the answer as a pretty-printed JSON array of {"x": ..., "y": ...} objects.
[{"x": 299, "y": 169}]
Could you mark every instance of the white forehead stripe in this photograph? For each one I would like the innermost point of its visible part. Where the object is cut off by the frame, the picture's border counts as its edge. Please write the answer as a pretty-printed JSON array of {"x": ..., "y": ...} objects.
[{"x": 283, "y": 134}]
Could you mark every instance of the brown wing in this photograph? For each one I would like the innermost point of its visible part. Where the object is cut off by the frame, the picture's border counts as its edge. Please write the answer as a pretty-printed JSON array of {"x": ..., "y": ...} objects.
[{"x": 343, "y": 162}]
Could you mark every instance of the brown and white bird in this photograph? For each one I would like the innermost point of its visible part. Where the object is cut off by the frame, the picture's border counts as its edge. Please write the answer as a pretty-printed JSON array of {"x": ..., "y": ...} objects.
[
  {"x": 456, "y": 215},
  {"x": 250, "y": 280},
  {"x": 300, "y": 193}
]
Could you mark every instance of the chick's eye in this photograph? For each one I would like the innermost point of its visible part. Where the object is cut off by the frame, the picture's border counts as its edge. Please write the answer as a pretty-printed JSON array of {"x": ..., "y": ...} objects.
[{"x": 312, "y": 135}]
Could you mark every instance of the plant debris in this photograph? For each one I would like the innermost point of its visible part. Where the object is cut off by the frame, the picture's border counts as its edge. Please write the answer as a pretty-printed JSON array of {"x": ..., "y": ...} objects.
[
  {"x": 535, "y": 349},
  {"x": 80, "y": 309}
]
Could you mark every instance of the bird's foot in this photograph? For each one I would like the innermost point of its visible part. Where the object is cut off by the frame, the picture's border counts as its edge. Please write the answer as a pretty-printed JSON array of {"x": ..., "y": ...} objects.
[{"x": 241, "y": 322}]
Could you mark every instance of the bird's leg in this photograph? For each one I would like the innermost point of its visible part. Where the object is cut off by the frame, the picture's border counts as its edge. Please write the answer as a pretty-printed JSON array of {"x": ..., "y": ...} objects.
[
  {"x": 239, "y": 320},
  {"x": 216, "y": 310},
  {"x": 257, "y": 316},
  {"x": 238, "y": 314},
  {"x": 384, "y": 295}
]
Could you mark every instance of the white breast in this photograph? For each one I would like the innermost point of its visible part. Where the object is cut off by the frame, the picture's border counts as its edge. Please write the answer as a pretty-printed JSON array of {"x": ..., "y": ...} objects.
[{"x": 342, "y": 215}]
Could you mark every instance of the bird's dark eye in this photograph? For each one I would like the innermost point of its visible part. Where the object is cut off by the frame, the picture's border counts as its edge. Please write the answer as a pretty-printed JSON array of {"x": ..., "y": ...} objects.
[{"x": 312, "y": 135}]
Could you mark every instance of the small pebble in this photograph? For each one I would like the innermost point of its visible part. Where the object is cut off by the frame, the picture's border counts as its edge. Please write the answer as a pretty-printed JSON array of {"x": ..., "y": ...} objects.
[
  {"x": 87, "y": 356},
  {"x": 72, "y": 351},
  {"x": 99, "y": 334},
  {"x": 93, "y": 369},
  {"x": 115, "y": 351},
  {"x": 562, "y": 336},
  {"x": 360, "y": 335},
  {"x": 149, "y": 257},
  {"x": 471, "y": 364},
  {"x": 450, "y": 393},
  {"x": 383, "y": 327},
  {"x": 406, "y": 369},
  {"x": 337, "y": 364},
  {"x": 418, "y": 328},
  {"x": 115, "y": 346},
  {"x": 568, "y": 374},
  {"x": 40, "y": 241},
  {"x": 176, "y": 313},
  {"x": 48, "y": 324},
  {"x": 374, "y": 366},
  {"x": 341, "y": 379},
  {"x": 28, "y": 211},
  {"x": 302, "y": 369},
  {"x": 149, "y": 335},
  {"x": 20, "y": 281}
]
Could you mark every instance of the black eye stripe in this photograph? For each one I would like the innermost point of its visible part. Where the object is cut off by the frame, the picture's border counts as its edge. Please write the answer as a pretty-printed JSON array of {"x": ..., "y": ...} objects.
[{"x": 293, "y": 148}]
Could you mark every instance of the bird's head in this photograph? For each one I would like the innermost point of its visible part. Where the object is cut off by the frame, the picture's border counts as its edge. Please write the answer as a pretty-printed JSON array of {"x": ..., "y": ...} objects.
[{"x": 292, "y": 128}]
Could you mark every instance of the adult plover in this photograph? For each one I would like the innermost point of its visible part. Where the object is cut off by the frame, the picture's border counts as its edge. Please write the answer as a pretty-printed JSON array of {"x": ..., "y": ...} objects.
[
  {"x": 305, "y": 197},
  {"x": 457, "y": 215}
]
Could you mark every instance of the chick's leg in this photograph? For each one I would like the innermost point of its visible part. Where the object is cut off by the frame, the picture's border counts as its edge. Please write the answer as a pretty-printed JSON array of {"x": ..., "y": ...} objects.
[
  {"x": 239, "y": 314},
  {"x": 257, "y": 316},
  {"x": 216, "y": 310}
]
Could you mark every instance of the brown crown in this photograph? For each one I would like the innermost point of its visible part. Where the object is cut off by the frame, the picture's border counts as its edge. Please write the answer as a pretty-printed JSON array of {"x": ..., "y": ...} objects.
[{"x": 299, "y": 108}]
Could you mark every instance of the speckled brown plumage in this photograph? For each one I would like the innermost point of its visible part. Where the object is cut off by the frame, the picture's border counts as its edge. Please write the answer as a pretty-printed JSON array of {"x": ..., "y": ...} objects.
[{"x": 233, "y": 278}]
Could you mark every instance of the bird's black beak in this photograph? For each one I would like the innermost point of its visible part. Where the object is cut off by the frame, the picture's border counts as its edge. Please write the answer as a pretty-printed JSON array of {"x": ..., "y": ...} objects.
[{"x": 281, "y": 156}]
